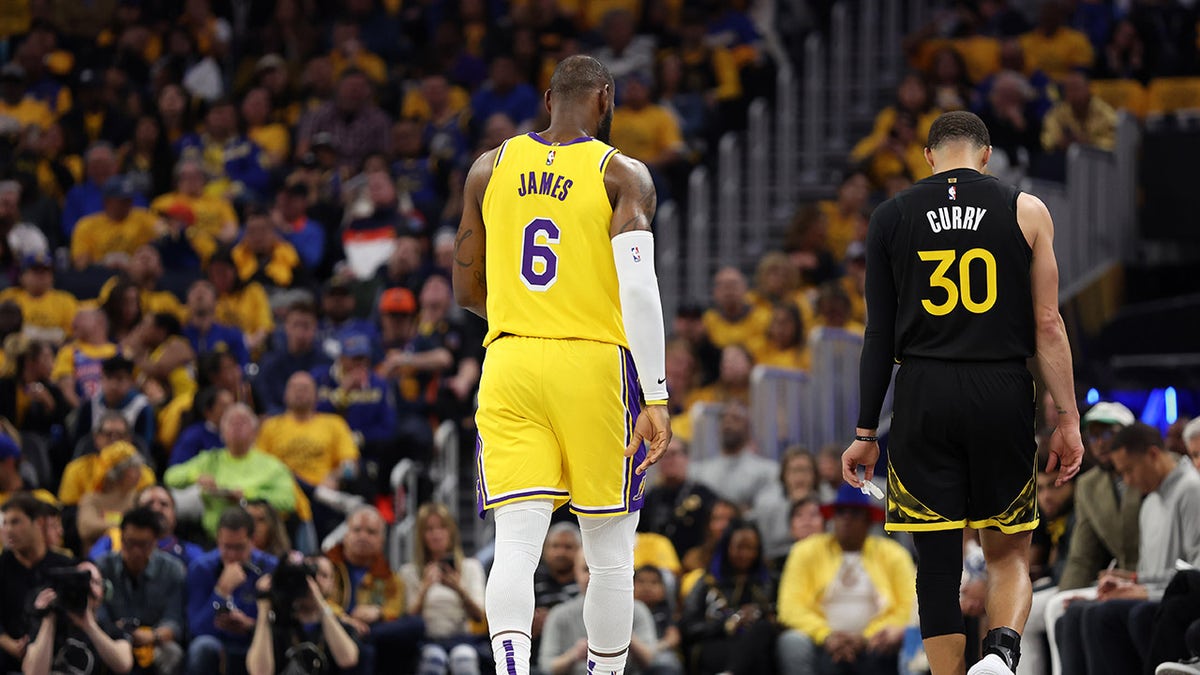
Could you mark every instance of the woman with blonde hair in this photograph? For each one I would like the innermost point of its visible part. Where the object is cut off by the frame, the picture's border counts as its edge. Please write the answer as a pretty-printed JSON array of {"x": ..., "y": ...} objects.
[
  {"x": 116, "y": 473},
  {"x": 445, "y": 588}
]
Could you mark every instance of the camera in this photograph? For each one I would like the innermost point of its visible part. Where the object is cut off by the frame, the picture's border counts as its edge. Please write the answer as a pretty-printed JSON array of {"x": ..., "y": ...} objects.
[
  {"x": 73, "y": 587},
  {"x": 290, "y": 582}
]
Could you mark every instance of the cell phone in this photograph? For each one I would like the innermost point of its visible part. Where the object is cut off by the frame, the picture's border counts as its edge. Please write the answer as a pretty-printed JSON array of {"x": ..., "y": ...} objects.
[{"x": 448, "y": 562}]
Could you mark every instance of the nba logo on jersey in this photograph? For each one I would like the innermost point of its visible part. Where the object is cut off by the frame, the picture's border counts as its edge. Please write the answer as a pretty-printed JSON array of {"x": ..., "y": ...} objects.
[
  {"x": 637, "y": 254},
  {"x": 952, "y": 192},
  {"x": 549, "y": 158}
]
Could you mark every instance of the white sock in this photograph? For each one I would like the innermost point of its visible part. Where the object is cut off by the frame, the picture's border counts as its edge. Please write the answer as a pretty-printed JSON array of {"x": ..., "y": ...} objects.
[
  {"x": 608, "y": 602},
  {"x": 509, "y": 601}
]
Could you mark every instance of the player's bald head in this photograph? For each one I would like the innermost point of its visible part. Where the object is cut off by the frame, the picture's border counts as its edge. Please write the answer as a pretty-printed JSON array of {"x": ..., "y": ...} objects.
[{"x": 578, "y": 77}]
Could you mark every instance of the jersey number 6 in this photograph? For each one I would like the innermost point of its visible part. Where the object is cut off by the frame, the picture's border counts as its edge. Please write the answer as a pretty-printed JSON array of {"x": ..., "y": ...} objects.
[
  {"x": 944, "y": 259},
  {"x": 539, "y": 262}
]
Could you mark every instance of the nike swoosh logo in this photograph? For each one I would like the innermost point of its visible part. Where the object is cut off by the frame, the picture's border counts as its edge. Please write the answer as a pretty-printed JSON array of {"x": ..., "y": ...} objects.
[{"x": 661, "y": 380}]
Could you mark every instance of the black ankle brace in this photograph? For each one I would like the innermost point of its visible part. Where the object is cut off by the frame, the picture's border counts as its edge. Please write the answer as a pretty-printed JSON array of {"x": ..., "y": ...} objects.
[{"x": 1005, "y": 643}]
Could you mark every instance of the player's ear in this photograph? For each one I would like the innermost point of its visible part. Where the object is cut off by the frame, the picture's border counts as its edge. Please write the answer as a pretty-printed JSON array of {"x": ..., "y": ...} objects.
[
  {"x": 547, "y": 102},
  {"x": 987, "y": 156},
  {"x": 605, "y": 99},
  {"x": 929, "y": 159}
]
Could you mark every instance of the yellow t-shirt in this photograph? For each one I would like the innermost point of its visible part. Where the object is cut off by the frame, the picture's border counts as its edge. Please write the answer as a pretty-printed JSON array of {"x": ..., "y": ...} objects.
[
  {"x": 550, "y": 271},
  {"x": 212, "y": 213},
  {"x": 28, "y": 112},
  {"x": 647, "y": 133},
  {"x": 79, "y": 479},
  {"x": 312, "y": 448},
  {"x": 792, "y": 358},
  {"x": 279, "y": 269},
  {"x": 152, "y": 302},
  {"x": 247, "y": 309},
  {"x": 273, "y": 139},
  {"x": 373, "y": 66},
  {"x": 748, "y": 330},
  {"x": 82, "y": 362},
  {"x": 842, "y": 229},
  {"x": 1058, "y": 54},
  {"x": 53, "y": 311},
  {"x": 416, "y": 107},
  {"x": 655, "y": 549},
  {"x": 98, "y": 235}
]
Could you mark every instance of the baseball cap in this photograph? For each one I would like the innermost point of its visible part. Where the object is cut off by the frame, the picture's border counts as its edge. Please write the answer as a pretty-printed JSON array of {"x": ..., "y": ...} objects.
[
  {"x": 397, "y": 301},
  {"x": 8, "y": 448},
  {"x": 12, "y": 71},
  {"x": 118, "y": 188},
  {"x": 354, "y": 343},
  {"x": 41, "y": 259},
  {"x": 850, "y": 497},
  {"x": 322, "y": 139},
  {"x": 1109, "y": 412},
  {"x": 180, "y": 211}
]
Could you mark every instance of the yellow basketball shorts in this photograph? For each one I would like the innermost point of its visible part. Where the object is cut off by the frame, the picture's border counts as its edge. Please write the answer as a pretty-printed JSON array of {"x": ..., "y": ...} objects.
[{"x": 554, "y": 419}]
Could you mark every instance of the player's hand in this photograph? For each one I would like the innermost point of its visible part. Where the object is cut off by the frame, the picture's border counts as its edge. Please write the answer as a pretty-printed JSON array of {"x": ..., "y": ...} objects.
[
  {"x": 1066, "y": 452},
  {"x": 860, "y": 453},
  {"x": 654, "y": 427}
]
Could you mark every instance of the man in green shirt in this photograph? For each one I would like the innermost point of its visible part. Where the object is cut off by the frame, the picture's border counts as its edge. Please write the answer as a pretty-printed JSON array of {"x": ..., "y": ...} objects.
[{"x": 238, "y": 471}]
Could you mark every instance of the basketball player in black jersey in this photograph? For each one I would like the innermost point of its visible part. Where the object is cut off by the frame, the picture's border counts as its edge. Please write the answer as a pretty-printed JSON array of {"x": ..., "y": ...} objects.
[{"x": 962, "y": 289}]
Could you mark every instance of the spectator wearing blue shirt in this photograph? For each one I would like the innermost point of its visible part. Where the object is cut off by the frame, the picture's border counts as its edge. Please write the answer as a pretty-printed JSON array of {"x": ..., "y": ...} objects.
[
  {"x": 87, "y": 196},
  {"x": 300, "y": 352},
  {"x": 119, "y": 394},
  {"x": 204, "y": 432},
  {"x": 242, "y": 162},
  {"x": 505, "y": 93},
  {"x": 290, "y": 217},
  {"x": 221, "y": 599},
  {"x": 338, "y": 305},
  {"x": 160, "y": 500},
  {"x": 203, "y": 331}
]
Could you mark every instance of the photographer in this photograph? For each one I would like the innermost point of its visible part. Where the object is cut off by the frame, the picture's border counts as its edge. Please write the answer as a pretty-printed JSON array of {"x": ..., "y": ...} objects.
[
  {"x": 70, "y": 639},
  {"x": 220, "y": 596},
  {"x": 146, "y": 602},
  {"x": 297, "y": 632},
  {"x": 24, "y": 564}
]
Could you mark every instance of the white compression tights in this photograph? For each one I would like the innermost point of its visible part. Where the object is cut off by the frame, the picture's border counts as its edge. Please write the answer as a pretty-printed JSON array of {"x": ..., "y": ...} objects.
[{"x": 509, "y": 600}]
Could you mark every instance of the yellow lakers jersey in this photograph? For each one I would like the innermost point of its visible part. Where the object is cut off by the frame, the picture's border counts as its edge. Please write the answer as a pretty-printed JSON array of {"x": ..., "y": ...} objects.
[{"x": 550, "y": 269}]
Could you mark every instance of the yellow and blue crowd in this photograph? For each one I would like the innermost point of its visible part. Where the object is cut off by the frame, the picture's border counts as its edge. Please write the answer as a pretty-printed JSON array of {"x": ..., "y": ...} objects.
[{"x": 224, "y": 301}]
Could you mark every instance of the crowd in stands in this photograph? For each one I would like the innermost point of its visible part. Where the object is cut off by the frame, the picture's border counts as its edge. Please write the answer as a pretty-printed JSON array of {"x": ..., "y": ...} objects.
[{"x": 225, "y": 240}]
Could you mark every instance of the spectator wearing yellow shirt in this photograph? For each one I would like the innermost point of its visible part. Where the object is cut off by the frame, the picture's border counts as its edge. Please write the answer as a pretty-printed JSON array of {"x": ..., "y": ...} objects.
[
  {"x": 81, "y": 473},
  {"x": 854, "y": 282},
  {"x": 241, "y": 305},
  {"x": 110, "y": 237},
  {"x": 77, "y": 365},
  {"x": 784, "y": 344},
  {"x": 1079, "y": 118},
  {"x": 434, "y": 99},
  {"x": 213, "y": 216},
  {"x": 318, "y": 447},
  {"x": 159, "y": 350},
  {"x": 15, "y": 104},
  {"x": 835, "y": 310},
  {"x": 777, "y": 281},
  {"x": 902, "y": 155},
  {"x": 145, "y": 271},
  {"x": 733, "y": 379},
  {"x": 732, "y": 319},
  {"x": 643, "y": 129},
  {"x": 262, "y": 256},
  {"x": 272, "y": 137},
  {"x": 912, "y": 95},
  {"x": 1054, "y": 48},
  {"x": 47, "y": 312}
]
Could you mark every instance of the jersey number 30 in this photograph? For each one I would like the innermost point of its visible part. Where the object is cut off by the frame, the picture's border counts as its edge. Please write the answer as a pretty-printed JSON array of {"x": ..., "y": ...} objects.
[
  {"x": 944, "y": 259},
  {"x": 539, "y": 262}
]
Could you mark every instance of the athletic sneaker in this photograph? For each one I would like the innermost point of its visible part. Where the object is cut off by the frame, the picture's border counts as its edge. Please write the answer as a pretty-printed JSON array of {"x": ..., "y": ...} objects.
[
  {"x": 1186, "y": 667},
  {"x": 991, "y": 664}
]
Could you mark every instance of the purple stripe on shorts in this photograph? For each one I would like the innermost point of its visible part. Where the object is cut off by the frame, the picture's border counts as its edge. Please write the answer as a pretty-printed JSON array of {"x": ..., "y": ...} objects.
[
  {"x": 479, "y": 506},
  {"x": 634, "y": 483}
]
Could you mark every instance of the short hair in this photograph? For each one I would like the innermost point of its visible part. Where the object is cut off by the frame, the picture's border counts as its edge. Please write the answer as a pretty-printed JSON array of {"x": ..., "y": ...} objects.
[
  {"x": 1191, "y": 430},
  {"x": 579, "y": 75},
  {"x": 26, "y": 503},
  {"x": 116, "y": 365},
  {"x": 801, "y": 503},
  {"x": 958, "y": 125},
  {"x": 111, "y": 416},
  {"x": 1137, "y": 439},
  {"x": 168, "y": 322},
  {"x": 145, "y": 518},
  {"x": 236, "y": 518},
  {"x": 565, "y": 526},
  {"x": 301, "y": 307},
  {"x": 238, "y": 409},
  {"x": 651, "y": 570}
]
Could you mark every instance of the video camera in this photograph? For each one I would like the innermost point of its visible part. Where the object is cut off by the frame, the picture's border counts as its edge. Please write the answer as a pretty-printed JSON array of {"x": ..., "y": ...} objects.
[
  {"x": 290, "y": 582},
  {"x": 73, "y": 587}
]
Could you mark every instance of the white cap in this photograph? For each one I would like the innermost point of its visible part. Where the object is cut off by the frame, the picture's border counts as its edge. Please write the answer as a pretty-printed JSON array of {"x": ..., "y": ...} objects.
[{"x": 1108, "y": 412}]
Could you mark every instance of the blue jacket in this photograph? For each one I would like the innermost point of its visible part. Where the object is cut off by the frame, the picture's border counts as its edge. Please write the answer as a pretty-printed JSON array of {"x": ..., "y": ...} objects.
[
  {"x": 203, "y": 601},
  {"x": 244, "y": 162},
  {"x": 219, "y": 338},
  {"x": 370, "y": 412},
  {"x": 309, "y": 242},
  {"x": 193, "y": 440}
]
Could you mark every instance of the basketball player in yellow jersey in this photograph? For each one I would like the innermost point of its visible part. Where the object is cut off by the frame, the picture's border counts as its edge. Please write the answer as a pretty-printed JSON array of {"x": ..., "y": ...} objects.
[{"x": 555, "y": 251}]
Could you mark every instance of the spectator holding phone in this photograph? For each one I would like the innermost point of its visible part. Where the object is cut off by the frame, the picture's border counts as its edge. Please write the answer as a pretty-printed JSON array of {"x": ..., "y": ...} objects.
[
  {"x": 446, "y": 589},
  {"x": 221, "y": 597}
]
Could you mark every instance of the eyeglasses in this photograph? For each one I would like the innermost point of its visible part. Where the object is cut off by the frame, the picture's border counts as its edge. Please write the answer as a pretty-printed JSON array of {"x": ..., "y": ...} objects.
[{"x": 1101, "y": 434}]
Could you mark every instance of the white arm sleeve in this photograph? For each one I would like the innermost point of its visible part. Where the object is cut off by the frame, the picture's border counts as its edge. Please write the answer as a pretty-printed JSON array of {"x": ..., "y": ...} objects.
[{"x": 641, "y": 309}]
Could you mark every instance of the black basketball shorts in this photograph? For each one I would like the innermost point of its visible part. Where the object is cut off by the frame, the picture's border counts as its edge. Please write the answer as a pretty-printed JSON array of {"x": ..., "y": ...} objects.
[{"x": 962, "y": 449}]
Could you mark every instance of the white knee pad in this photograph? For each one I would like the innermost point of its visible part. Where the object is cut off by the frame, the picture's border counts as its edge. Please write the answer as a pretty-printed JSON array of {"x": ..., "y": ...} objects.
[
  {"x": 509, "y": 599},
  {"x": 608, "y": 604}
]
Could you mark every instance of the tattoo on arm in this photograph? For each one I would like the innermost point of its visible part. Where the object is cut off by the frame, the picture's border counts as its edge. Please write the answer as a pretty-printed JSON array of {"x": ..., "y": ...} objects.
[
  {"x": 647, "y": 200},
  {"x": 458, "y": 243}
]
